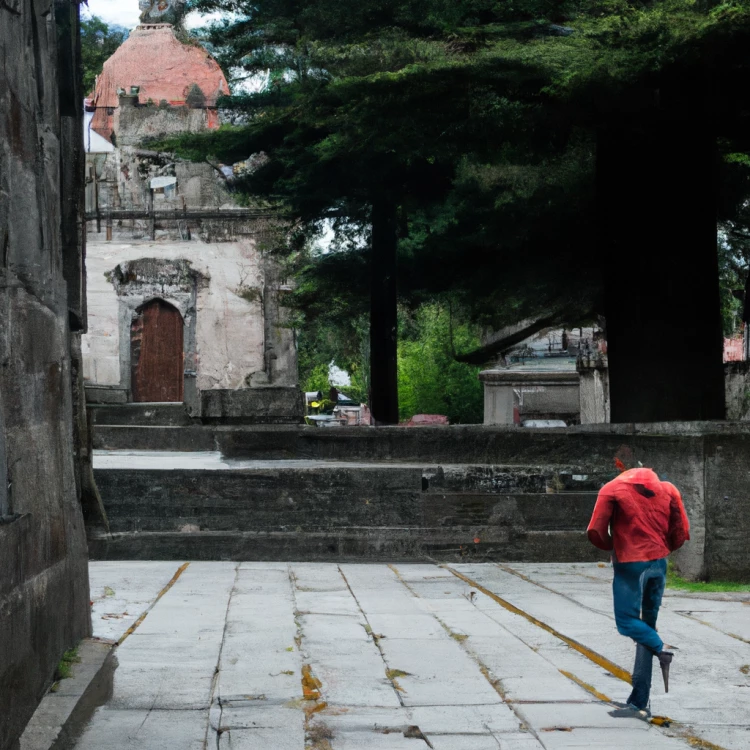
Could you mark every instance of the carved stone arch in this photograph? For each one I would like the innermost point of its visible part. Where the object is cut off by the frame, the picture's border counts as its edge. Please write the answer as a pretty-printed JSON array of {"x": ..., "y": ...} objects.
[{"x": 174, "y": 281}]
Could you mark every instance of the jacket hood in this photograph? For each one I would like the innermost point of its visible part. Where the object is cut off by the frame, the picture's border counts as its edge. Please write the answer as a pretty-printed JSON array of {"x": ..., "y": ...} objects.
[{"x": 646, "y": 477}]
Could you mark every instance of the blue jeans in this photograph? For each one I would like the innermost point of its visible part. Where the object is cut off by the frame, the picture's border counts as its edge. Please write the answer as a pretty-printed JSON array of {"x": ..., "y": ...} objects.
[{"x": 637, "y": 589}]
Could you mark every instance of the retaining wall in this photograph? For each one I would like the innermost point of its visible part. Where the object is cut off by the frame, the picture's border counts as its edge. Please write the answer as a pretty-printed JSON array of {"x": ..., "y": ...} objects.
[{"x": 708, "y": 462}]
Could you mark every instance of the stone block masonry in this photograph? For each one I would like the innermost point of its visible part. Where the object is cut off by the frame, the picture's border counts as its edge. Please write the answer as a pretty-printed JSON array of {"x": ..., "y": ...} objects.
[{"x": 44, "y": 593}]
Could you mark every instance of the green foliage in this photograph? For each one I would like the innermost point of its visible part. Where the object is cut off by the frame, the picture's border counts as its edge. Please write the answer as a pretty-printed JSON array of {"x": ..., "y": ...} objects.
[
  {"x": 431, "y": 381},
  {"x": 345, "y": 342},
  {"x": 734, "y": 234},
  {"x": 99, "y": 41},
  {"x": 674, "y": 581},
  {"x": 316, "y": 379},
  {"x": 478, "y": 119},
  {"x": 475, "y": 114},
  {"x": 734, "y": 259},
  {"x": 64, "y": 667}
]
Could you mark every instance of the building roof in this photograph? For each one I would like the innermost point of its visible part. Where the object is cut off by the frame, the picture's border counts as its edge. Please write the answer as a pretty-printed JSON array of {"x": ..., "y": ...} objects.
[{"x": 163, "y": 67}]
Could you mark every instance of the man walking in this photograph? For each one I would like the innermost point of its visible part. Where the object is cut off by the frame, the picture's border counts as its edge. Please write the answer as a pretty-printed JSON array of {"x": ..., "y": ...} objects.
[{"x": 642, "y": 520}]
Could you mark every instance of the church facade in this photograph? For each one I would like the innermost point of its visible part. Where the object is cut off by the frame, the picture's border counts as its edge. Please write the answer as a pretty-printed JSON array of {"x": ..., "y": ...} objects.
[{"x": 184, "y": 306}]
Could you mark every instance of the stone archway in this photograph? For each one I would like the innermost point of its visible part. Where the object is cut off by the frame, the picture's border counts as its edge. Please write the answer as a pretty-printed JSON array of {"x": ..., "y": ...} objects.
[{"x": 157, "y": 353}]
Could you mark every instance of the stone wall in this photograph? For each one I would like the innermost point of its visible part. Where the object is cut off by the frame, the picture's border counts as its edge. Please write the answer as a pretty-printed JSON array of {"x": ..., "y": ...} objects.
[
  {"x": 706, "y": 461},
  {"x": 134, "y": 124},
  {"x": 737, "y": 382},
  {"x": 44, "y": 597}
]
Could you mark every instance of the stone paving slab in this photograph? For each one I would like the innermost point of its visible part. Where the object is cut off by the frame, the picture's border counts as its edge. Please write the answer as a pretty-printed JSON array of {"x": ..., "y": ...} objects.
[
  {"x": 328, "y": 657},
  {"x": 121, "y": 592}
]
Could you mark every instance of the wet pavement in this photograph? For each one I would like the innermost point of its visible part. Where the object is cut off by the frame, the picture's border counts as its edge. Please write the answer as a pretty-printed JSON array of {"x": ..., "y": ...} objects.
[{"x": 458, "y": 657}]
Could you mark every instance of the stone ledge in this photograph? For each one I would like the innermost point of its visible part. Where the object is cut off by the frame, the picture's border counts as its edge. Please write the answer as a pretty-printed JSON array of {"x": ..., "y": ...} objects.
[
  {"x": 521, "y": 377},
  {"x": 61, "y": 716},
  {"x": 262, "y": 405},
  {"x": 352, "y": 544}
]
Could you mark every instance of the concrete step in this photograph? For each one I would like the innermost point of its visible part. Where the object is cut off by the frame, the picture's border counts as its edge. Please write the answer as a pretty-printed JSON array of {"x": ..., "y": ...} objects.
[
  {"x": 532, "y": 512},
  {"x": 262, "y": 497},
  {"x": 514, "y": 478},
  {"x": 162, "y": 492},
  {"x": 349, "y": 544},
  {"x": 474, "y": 444},
  {"x": 160, "y": 414},
  {"x": 64, "y": 713}
]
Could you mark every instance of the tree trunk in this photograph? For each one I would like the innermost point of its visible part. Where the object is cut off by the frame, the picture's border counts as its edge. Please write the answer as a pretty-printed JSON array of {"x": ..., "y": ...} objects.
[
  {"x": 383, "y": 314},
  {"x": 656, "y": 191}
]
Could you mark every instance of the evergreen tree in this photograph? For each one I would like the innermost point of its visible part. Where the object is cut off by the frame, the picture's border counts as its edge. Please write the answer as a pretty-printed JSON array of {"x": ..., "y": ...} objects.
[{"x": 460, "y": 138}]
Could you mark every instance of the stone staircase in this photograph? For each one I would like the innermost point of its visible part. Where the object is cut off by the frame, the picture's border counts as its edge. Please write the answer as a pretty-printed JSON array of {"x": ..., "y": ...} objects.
[{"x": 181, "y": 505}]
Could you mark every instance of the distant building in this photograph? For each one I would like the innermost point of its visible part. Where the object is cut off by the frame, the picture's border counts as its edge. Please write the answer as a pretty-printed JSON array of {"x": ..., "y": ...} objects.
[
  {"x": 183, "y": 306},
  {"x": 553, "y": 376}
]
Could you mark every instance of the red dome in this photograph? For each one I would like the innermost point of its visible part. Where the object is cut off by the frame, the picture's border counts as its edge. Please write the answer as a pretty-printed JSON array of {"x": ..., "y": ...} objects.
[{"x": 163, "y": 67}]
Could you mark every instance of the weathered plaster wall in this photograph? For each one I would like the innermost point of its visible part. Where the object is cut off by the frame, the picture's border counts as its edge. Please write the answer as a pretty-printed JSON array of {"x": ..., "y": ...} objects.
[
  {"x": 227, "y": 315},
  {"x": 43, "y": 555}
]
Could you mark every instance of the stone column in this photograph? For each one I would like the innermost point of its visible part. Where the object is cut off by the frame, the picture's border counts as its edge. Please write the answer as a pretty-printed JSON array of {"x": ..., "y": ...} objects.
[
  {"x": 594, "y": 393},
  {"x": 499, "y": 399}
]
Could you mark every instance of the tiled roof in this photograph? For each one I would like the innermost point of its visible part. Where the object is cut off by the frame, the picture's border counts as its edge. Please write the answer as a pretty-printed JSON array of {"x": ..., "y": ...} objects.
[{"x": 162, "y": 66}]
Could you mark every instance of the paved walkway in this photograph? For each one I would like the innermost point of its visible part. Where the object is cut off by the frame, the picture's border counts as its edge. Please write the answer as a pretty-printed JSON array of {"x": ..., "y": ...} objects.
[{"x": 275, "y": 656}]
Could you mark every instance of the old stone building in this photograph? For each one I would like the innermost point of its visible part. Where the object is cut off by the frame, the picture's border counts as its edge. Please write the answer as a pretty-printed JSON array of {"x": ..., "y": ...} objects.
[
  {"x": 44, "y": 473},
  {"x": 184, "y": 307}
]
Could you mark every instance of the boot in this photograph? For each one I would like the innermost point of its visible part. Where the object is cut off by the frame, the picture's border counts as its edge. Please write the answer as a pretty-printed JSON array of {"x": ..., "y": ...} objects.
[
  {"x": 628, "y": 711},
  {"x": 665, "y": 659}
]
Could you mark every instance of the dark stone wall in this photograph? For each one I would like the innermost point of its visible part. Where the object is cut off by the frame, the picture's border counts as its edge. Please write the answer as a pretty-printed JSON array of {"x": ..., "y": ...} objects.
[
  {"x": 44, "y": 606},
  {"x": 343, "y": 511},
  {"x": 269, "y": 405},
  {"x": 727, "y": 480},
  {"x": 708, "y": 462}
]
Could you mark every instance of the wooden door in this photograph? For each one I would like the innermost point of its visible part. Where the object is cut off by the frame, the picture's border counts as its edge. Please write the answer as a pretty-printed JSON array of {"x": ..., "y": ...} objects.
[{"x": 156, "y": 354}]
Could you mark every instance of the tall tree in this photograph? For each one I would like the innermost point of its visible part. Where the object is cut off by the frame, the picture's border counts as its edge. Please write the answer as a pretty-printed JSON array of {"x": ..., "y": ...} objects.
[
  {"x": 462, "y": 137},
  {"x": 369, "y": 118}
]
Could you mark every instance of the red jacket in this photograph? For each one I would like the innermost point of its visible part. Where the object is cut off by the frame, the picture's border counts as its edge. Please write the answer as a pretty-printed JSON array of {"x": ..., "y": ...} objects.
[{"x": 640, "y": 517}]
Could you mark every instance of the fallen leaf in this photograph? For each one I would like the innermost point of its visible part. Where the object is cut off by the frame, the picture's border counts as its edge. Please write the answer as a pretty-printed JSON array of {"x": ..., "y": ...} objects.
[{"x": 392, "y": 674}]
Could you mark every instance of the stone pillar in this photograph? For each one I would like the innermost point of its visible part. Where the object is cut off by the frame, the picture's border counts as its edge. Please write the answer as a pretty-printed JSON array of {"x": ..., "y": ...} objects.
[
  {"x": 656, "y": 209},
  {"x": 499, "y": 400},
  {"x": 594, "y": 393}
]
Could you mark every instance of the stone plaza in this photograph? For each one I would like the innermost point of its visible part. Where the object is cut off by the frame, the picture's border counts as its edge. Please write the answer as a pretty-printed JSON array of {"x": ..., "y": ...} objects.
[{"x": 357, "y": 656}]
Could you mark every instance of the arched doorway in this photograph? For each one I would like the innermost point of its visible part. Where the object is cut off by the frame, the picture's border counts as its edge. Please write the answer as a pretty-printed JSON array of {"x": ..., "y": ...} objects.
[{"x": 156, "y": 352}]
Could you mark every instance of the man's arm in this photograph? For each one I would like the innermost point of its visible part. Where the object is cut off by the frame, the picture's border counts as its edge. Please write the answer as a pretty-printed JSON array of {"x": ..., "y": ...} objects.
[
  {"x": 679, "y": 525},
  {"x": 598, "y": 530}
]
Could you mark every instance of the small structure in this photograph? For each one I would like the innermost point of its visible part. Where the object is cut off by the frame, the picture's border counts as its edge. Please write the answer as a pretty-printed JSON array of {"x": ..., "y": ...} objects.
[
  {"x": 537, "y": 394},
  {"x": 184, "y": 307},
  {"x": 542, "y": 378}
]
